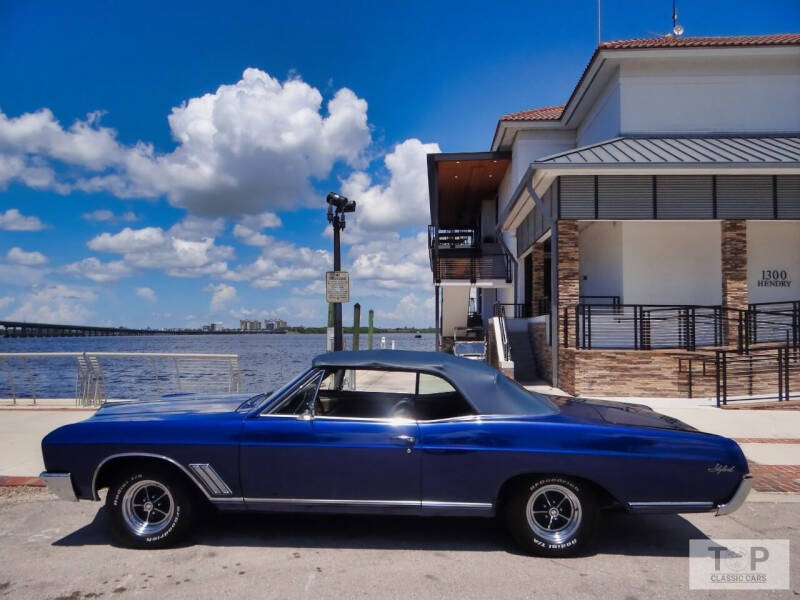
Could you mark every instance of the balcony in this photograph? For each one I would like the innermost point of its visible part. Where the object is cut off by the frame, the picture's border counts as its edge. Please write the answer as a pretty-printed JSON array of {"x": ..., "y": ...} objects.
[{"x": 459, "y": 255}]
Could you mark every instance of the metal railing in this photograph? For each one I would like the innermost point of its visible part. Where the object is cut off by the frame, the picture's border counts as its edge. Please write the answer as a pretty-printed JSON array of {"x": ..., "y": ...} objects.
[
  {"x": 458, "y": 254},
  {"x": 765, "y": 372},
  {"x": 612, "y": 300},
  {"x": 157, "y": 373},
  {"x": 650, "y": 327},
  {"x": 510, "y": 310},
  {"x": 774, "y": 322}
]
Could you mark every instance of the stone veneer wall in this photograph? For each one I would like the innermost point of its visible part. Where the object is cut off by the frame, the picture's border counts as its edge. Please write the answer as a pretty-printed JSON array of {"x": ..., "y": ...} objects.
[
  {"x": 734, "y": 264},
  {"x": 537, "y": 257},
  {"x": 542, "y": 351},
  {"x": 568, "y": 263}
]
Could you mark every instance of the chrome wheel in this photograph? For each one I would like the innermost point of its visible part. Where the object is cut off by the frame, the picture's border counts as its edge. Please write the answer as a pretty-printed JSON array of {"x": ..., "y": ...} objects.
[
  {"x": 554, "y": 513},
  {"x": 147, "y": 507}
]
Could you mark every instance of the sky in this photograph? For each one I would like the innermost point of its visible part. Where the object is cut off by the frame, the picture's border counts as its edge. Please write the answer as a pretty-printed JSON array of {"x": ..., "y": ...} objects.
[{"x": 166, "y": 164}]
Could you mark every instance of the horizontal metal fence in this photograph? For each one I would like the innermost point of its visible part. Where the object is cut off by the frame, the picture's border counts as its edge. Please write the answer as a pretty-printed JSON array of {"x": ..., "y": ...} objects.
[
  {"x": 650, "y": 327},
  {"x": 765, "y": 372},
  {"x": 126, "y": 374},
  {"x": 775, "y": 322}
]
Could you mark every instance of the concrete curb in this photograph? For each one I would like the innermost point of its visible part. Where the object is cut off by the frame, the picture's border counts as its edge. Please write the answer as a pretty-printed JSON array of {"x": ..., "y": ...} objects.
[{"x": 14, "y": 481}]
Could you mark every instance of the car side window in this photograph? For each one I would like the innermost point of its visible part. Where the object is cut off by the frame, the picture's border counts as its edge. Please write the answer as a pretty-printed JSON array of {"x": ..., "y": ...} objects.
[
  {"x": 299, "y": 400},
  {"x": 437, "y": 399},
  {"x": 366, "y": 394}
]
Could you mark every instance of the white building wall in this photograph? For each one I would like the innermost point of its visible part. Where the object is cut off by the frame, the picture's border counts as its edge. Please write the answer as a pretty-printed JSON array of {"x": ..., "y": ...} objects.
[
  {"x": 671, "y": 262},
  {"x": 773, "y": 247},
  {"x": 528, "y": 146},
  {"x": 601, "y": 258},
  {"x": 603, "y": 120},
  {"x": 701, "y": 94},
  {"x": 455, "y": 307}
]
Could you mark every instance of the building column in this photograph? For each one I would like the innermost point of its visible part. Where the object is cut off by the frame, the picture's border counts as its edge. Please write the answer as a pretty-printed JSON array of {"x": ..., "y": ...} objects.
[
  {"x": 734, "y": 272},
  {"x": 568, "y": 264},
  {"x": 734, "y": 264},
  {"x": 565, "y": 252},
  {"x": 537, "y": 258}
]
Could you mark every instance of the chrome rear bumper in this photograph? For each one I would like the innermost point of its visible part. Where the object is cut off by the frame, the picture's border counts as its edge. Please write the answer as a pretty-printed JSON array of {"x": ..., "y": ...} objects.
[
  {"x": 60, "y": 484},
  {"x": 738, "y": 497}
]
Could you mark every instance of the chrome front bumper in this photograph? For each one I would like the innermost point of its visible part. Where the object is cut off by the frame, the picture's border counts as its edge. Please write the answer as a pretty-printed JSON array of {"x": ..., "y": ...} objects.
[
  {"x": 60, "y": 484},
  {"x": 738, "y": 498}
]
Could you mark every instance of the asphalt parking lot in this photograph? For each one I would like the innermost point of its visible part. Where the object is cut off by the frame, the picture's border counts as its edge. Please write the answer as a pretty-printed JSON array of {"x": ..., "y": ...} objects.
[{"x": 51, "y": 549}]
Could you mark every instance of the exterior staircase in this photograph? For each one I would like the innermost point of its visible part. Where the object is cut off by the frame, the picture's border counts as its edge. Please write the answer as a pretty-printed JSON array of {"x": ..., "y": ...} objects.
[{"x": 525, "y": 370}]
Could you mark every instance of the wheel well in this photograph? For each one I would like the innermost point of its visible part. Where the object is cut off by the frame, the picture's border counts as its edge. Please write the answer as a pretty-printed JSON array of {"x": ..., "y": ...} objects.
[
  {"x": 121, "y": 464},
  {"x": 604, "y": 497}
]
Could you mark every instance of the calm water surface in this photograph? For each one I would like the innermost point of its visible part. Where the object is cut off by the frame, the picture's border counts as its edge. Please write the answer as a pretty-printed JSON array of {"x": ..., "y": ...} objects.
[{"x": 266, "y": 361}]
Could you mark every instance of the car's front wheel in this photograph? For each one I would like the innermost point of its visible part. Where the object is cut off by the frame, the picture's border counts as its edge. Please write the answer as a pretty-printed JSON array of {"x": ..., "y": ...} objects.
[
  {"x": 552, "y": 516},
  {"x": 149, "y": 509}
]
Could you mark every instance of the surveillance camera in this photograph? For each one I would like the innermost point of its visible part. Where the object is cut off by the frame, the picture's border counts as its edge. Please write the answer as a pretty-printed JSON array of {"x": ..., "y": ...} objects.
[{"x": 341, "y": 203}]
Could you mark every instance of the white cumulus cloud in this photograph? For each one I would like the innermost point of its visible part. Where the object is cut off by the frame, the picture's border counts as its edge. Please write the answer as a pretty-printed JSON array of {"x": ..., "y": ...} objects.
[
  {"x": 13, "y": 220},
  {"x": 55, "y": 304},
  {"x": 403, "y": 201},
  {"x": 249, "y": 228},
  {"x": 146, "y": 293},
  {"x": 104, "y": 215},
  {"x": 221, "y": 295},
  {"x": 18, "y": 256},
  {"x": 94, "y": 269},
  {"x": 243, "y": 149}
]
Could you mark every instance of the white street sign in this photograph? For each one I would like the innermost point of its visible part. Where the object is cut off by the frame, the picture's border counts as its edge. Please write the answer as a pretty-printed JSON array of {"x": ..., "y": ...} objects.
[{"x": 337, "y": 286}]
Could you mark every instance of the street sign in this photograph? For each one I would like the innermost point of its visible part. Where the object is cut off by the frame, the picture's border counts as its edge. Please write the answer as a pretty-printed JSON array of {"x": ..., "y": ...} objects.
[{"x": 337, "y": 286}]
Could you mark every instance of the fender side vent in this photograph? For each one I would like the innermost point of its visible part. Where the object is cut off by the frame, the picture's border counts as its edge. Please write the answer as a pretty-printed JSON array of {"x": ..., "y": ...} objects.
[{"x": 211, "y": 479}]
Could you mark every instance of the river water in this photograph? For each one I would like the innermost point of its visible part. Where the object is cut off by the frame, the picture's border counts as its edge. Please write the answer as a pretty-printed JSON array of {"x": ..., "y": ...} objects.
[{"x": 266, "y": 361}]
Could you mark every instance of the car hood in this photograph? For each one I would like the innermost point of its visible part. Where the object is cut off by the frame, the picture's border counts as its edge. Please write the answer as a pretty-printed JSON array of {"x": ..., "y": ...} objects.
[
  {"x": 617, "y": 413},
  {"x": 174, "y": 404}
]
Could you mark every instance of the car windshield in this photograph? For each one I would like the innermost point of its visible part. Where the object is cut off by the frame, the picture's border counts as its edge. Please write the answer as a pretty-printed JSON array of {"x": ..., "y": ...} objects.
[
  {"x": 468, "y": 348},
  {"x": 279, "y": 392},
  {"x": 520, "y": 401}
]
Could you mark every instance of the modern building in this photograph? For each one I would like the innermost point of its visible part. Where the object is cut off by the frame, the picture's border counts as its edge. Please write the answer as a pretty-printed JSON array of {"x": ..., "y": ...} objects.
[
  {"x": 614, "y": 244},
  {"x": 247, "y": 325},
  {"x": 274, "y": 324}
]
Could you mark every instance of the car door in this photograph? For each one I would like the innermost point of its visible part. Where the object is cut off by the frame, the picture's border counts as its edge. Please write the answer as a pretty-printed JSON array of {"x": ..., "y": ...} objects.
[{"x": 304, "y": 455}]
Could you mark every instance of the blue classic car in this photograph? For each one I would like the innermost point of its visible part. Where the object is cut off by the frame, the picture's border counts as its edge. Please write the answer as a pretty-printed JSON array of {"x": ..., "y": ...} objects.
[{"x": 393, "y": 432}]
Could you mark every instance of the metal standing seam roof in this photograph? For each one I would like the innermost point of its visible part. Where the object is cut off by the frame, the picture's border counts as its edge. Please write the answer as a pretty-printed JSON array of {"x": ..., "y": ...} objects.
[{"x": 689, "y": 150}]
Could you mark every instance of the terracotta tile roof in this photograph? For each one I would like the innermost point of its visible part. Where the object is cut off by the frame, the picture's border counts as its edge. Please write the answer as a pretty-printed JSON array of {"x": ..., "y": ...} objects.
[
  {"x": 547, "y": 113},
  {"x": 553, "y": 113},
  {"x": 779, "y": 39}
]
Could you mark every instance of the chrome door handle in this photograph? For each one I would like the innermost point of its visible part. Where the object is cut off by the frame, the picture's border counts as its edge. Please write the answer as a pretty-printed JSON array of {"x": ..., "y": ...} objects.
[{"x": 408, "y": 439}]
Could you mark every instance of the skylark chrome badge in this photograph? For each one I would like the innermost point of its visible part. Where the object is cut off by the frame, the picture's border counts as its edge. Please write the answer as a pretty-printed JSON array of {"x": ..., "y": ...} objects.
[{"x": 718, "y": 468}]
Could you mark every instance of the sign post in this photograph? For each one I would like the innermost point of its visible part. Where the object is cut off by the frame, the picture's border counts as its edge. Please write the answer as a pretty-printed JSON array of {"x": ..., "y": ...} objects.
[{"x": 337, "y": 282}]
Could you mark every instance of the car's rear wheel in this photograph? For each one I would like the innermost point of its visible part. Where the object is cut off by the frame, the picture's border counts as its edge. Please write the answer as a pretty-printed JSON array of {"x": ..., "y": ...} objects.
[
  {"x": 552, "y": 516},
  {"x": 149, "y": 509}
]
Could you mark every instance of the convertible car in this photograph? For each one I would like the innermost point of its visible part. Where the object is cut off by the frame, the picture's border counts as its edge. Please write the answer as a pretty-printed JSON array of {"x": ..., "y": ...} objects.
[{"x": 392, "y": 432}]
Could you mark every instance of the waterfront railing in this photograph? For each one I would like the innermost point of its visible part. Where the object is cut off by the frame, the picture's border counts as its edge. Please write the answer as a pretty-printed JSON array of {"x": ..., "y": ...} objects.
[{"x": 134, "y": 373}]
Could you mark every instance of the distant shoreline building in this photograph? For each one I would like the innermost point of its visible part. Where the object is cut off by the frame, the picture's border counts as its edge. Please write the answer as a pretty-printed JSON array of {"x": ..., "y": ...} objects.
[
  {"x": 248, "y": 325},
  {"x": 612, "y": 244},
  {"x": 275, "y": 324}
]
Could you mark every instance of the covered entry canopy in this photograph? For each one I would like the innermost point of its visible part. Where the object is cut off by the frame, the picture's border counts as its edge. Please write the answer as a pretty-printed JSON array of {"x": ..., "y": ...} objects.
[{"x": 458, "y": 183}]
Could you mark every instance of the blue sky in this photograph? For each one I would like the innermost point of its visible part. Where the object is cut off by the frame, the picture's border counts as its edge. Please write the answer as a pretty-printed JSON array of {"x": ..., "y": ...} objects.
[{"x": 165, "y": 164}]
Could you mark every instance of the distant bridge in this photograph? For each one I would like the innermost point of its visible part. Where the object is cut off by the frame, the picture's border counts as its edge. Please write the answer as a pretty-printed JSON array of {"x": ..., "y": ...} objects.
[{"x": 23, "y": 329}]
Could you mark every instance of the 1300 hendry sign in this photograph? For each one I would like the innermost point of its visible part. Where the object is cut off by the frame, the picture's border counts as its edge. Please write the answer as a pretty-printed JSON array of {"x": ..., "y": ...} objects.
[{"x": 774, "y": 278}]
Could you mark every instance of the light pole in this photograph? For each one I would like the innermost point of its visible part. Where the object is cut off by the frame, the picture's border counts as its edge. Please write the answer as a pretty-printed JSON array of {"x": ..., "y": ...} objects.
[{"x": 337, "y": 207}]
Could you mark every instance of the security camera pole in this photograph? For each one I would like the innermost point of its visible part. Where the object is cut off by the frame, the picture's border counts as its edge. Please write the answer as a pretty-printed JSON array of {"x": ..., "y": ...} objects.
[{"x": 337, "y": 282}]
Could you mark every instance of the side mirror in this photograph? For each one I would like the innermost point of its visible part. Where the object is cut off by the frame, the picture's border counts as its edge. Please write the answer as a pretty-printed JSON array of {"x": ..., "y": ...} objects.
[{"x": 305, "y": 415}]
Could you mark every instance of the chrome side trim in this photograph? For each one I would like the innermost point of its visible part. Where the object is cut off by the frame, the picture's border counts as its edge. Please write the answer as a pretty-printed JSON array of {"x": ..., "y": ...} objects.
[
  {"x": 738, "y": 498},
  {"x": 206, "y": 473},
  {"x": 386, "y": 503},
  {"x": 446, "y": 504},
  {"x": 671, "y": 504},
  {"x": 146, "y": 455},
  {"x": 334, "y": 501},
  {"x": 60, "y": 484}
]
